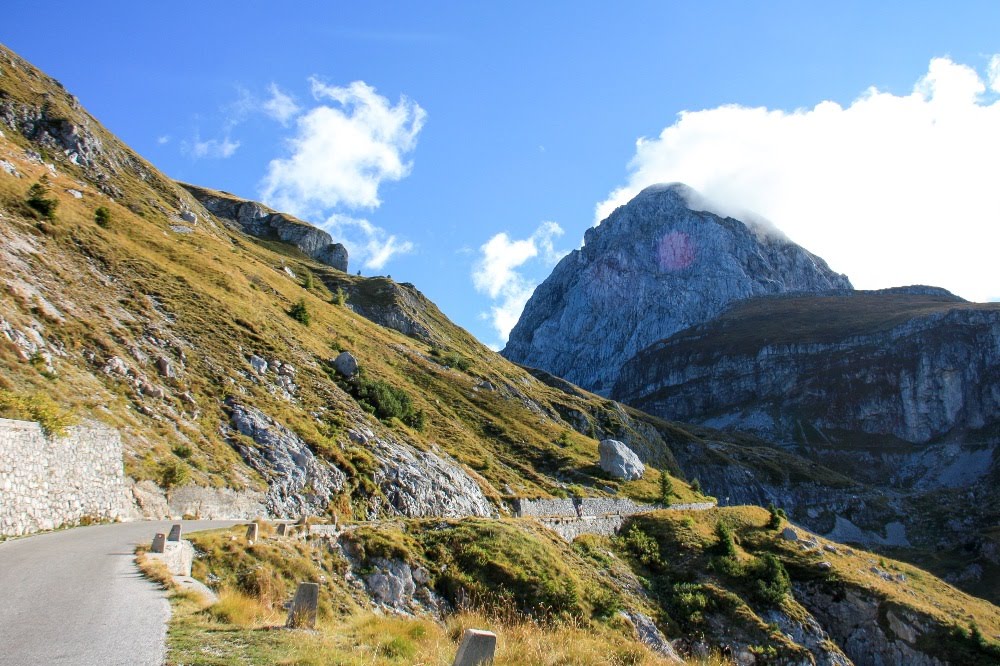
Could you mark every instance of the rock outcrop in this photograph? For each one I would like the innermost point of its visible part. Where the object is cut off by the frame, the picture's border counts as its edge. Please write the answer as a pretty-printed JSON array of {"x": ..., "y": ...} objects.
[
  {"x": 422, "y": 483},
  {"x": 298, "y": 480},
  {"x": 653, "y": 267},
  {"x": 260, "y": 221}
]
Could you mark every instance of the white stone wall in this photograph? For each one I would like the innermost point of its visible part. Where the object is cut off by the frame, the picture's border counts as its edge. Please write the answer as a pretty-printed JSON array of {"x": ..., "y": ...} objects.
[
  {"x": 47, "y": 482},
  {"x": 585, "y": 506}
]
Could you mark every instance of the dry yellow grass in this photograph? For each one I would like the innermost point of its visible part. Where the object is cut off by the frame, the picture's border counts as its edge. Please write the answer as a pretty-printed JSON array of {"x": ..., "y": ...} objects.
[{"x": 155, "y": 570}]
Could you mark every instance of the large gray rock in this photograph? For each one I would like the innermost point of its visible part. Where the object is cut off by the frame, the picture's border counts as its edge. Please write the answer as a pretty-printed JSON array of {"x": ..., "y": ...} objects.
[
  {"x": 299, "y": 482},
  {"x": 653, "y": 267},
  {"x": 346, "y": 364},
  {"x": 620, "y": 461}
]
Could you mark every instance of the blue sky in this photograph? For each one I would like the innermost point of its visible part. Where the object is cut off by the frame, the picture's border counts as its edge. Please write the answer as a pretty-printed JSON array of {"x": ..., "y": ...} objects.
[{"x": 484, "y": 138}]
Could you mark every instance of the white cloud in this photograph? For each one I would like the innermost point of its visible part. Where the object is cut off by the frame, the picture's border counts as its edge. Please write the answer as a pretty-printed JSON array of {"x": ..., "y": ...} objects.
[
  {"x": 210, "y": 148},
  {"x": 163, "y": 140},
  {"x": 892, "y": 189},
  {"x": 342, "y": 152},
  {"x": 366, "y": 242},
  {"x": 993, "y": 73},
  {"x": 496, "y": 273},
  {"x": 280, "y": 105}
]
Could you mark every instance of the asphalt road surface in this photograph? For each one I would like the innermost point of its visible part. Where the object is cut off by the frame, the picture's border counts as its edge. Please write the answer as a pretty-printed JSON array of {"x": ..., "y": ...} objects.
[{"x": 76, "y": 597}]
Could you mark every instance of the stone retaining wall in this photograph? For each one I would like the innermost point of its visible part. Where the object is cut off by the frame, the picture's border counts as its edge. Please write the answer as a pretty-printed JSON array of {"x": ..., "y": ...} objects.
[
  {"x": 571, "y": 528},
  {"x": 571, "y": 518},
  {"x": 46, "y": 482},
  {"x": 574, "y": 508}
]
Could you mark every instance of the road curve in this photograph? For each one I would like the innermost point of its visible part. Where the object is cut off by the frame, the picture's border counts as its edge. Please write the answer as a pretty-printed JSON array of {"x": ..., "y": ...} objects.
[{"x": 76, "y": 597}]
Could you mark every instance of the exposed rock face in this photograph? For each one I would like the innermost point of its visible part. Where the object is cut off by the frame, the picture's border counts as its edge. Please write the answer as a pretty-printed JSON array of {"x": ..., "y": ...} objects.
[
  {"x": 620, "y": 461},
  {"x": 845, "y": 375},
  {"x": 868, "y": 630},
  {"x": 258, "y": 220},
  {"x": 403, "y": 588},
  {"x": 298, "y": 481},
  {"x": 395, "y": 305},
  {"x": 649, "y": 634},
  {"x": 420, "y": 483},
  {"x": 808, "y": 633},
  {"x": 653, "y": 267}
]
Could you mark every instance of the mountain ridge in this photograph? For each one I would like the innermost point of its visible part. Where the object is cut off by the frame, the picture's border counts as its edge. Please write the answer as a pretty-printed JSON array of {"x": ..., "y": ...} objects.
[{"x": 653, "y": 267}]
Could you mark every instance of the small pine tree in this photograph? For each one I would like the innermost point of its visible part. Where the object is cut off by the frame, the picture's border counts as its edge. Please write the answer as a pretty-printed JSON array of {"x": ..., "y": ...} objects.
[
  {"x": 696, "y": 485},
  {"x": 44, "y": 205},
  {"x": 666, "y": 487},
  {"x": 340, "y": 296},
  {"x": 726, "y": 544},
  {"x": 300, "y": 312},
  {"x": 775, "y": 520},
  {"x": 307, "y": 280}
]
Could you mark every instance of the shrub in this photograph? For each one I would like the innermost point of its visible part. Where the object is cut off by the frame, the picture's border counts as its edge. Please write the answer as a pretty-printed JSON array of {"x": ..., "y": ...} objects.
[
  {"x": 726, "y": 545},
  {"x": 45, "y": 206},
  {"x": 39, "y": 407},
  {"x": 387, "y": 402},
  {"x": 696, "y": 485},
  {"x": 300, "y": 312},
  {"x": 642, "y": 546},
  {"x": 451, "y": 359},
  {"x": 102, "y": 217},
  {"x": 605, "y": 603},
  {"x": 182, "y": 451},
  {"x": 340, "y": 296},
  {"x": 688, "y": 603},
  {"x": 771, "y": 583},
  {"x": 455, "y": 360},
  {"x": 173, "y": 473}
]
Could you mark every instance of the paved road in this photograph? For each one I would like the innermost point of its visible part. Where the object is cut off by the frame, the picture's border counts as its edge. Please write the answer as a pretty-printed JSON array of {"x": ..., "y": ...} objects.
[{"x": 76, "y": 597}]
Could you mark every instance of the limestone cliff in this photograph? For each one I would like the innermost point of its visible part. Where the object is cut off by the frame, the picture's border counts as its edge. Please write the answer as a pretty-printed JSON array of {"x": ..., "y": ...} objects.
[
  {"x": 260, "y": 221},
  {"x": 653, "y": 267},
  {"x": 855, "y": 377}
]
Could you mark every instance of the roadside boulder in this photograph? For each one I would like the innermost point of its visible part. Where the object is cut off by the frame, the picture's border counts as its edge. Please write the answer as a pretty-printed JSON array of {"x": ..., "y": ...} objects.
[{"x": 620, "y": 461}]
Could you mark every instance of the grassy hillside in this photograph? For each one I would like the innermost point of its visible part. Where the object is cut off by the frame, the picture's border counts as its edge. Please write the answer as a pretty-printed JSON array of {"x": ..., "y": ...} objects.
[
  {"x": 141, "y": 285},
  {"x": 809, "y": 319},
  {"x": 725, "y": 577}
]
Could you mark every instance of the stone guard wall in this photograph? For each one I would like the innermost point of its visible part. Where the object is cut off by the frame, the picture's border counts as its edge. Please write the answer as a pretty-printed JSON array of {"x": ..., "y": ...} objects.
[
  {"x": 573, "y": 508},
  {"x": 47, "y": 482}
]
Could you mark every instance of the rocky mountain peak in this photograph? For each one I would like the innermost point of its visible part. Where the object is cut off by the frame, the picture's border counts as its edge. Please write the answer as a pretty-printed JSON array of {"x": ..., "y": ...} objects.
[{"x": 655, "y": 266}]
